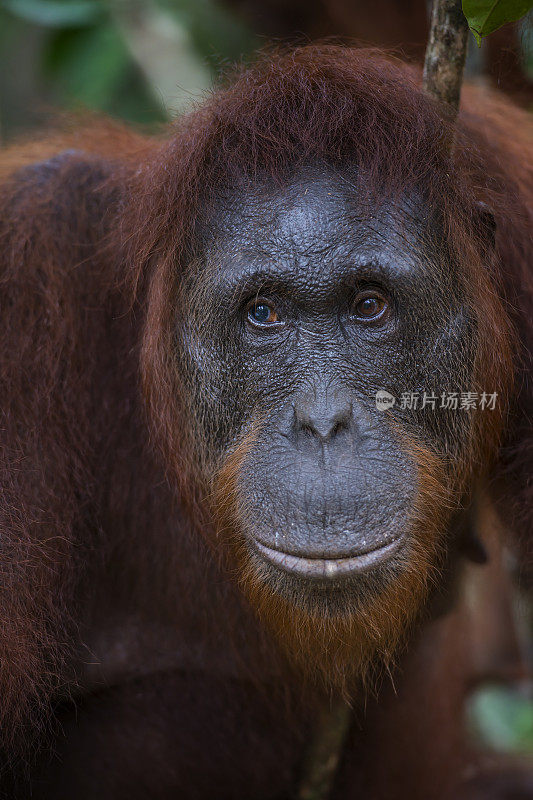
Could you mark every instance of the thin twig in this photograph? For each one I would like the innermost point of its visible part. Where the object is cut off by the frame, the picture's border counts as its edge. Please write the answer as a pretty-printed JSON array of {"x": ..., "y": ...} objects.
[{"x": 324, "y": 752}]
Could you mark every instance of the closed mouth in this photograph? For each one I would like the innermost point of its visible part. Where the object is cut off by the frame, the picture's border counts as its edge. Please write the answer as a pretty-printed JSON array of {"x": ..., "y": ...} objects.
[{"x": 328, "y": 568}]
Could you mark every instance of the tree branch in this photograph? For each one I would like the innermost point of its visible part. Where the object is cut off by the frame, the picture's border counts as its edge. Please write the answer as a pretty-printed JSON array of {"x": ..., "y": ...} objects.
[{"x": 446, "y": 53}]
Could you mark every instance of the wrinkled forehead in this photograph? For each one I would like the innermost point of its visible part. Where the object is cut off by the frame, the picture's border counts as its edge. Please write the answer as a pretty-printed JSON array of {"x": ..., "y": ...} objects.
[{"x": 317, "y": 221}]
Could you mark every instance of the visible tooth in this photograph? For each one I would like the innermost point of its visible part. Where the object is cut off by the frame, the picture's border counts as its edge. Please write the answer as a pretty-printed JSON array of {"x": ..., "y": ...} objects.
[{"x": 330, "y": 568}]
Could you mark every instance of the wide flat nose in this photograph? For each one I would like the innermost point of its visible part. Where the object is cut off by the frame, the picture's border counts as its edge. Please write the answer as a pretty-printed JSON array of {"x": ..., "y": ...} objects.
[{"x": 323, "y": 419}]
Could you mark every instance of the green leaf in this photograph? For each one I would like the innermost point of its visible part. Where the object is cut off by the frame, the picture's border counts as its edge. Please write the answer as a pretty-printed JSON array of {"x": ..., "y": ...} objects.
[
  {"x": 501, "y": 718},
  {"x": 56, "y": 13},
  {"x": 486, "y": 16}
]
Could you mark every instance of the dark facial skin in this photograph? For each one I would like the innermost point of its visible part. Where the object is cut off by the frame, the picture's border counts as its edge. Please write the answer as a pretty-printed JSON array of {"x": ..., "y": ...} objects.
[{"x": 307, "y": 308}]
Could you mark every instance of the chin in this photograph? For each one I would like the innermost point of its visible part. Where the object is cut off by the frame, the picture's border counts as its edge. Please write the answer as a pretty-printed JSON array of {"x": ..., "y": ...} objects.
[{"x": 341, "y": 621}]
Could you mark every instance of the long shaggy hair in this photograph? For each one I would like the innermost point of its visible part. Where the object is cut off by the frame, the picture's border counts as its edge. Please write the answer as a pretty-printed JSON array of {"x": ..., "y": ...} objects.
[{"x": 97, "y": 225}]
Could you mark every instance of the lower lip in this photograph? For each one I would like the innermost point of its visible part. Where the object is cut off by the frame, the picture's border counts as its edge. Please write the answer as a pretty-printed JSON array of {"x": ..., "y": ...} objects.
[{"x": 328, "y": 568}]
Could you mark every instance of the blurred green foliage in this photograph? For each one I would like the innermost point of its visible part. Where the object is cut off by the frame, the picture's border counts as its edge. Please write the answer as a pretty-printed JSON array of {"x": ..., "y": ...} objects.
[
  {"x": 56, "y": 13},
  {"x": 91, "y": 67},
  {"x": 501, "y": 718},
  {"x": 84, "y": 61}
]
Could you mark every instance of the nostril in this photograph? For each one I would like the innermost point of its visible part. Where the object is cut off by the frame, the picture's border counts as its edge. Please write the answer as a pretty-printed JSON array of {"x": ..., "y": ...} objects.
[
  {"x": 307, "y": 429},
  {"x": 337, "y": 428}
]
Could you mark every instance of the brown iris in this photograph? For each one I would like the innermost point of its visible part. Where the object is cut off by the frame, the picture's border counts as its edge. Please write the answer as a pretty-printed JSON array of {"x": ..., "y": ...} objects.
[{"x": 369, "y": 306}]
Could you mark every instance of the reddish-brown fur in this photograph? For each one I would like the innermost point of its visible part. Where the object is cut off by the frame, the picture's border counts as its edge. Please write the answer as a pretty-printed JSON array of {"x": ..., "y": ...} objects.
[{"x": 92, "y": 246}]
